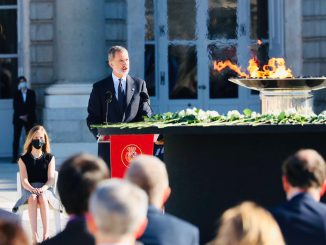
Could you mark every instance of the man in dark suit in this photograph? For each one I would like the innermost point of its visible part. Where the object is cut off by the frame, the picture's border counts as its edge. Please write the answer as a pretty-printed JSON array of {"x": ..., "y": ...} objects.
[
  {"x": 149, "y": 173},
  {"x": 78, "y": 178},
  {"x": 24, "y": 103},
  {"x": 302, "y": 218},
  {"x": 117, "y": 98}
]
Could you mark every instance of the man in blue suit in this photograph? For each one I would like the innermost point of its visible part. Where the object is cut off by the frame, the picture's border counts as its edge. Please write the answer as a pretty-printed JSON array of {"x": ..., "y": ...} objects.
[
  {"x": 302, "y": 218},
  {"x": 149, "y": 173}
]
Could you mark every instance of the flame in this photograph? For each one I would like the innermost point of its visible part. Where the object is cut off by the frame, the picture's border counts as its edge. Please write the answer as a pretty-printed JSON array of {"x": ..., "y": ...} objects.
[
  {"x": 219, "y": 66},
  {"x": 275, "y": 68}
]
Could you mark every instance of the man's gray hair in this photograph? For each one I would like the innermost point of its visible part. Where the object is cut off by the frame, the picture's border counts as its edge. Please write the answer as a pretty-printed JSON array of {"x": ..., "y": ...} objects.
[
  {"x": 150, "y": 174},
  {"x": 113, "y": 50},
  {"x": 118, "y": 207}
]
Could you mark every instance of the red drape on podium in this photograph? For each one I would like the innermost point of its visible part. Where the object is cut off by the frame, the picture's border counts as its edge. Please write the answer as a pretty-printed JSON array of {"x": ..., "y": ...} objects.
[{"x": 124, "y": 148}]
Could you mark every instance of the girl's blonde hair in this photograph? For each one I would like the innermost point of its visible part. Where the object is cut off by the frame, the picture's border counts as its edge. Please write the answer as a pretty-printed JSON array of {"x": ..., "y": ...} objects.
[
  {"x": 28, "y": 143},
  {"x": 248, "y": 224}
]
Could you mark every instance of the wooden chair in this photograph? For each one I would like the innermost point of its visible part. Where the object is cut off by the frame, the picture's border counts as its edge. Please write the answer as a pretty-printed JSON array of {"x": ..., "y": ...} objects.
[{"x": 22, "y": 208}]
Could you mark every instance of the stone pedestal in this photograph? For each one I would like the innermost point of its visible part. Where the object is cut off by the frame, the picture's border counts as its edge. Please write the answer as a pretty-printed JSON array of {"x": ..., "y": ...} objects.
[{"x": 64, "y": 117}]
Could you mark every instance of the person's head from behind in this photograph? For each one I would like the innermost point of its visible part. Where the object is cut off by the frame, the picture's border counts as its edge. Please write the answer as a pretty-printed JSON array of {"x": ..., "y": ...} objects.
[
  {"x": 118, "y": 209},
  {"x": 305, "y": 171},
  {"x": 248, "y": 224},
  {"x": 37, "y": 138},
  {"x": 78, "y": 178},
  {"x": 12, "y": 234},
  {"x": 150, "y": 174},
  {"x": 118, "y": 59},
  {"x": 22, "y": 83}
]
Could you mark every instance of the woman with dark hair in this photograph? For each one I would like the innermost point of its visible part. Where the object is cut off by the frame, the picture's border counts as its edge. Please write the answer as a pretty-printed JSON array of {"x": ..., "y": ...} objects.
[{"x": 37, "y": 168}]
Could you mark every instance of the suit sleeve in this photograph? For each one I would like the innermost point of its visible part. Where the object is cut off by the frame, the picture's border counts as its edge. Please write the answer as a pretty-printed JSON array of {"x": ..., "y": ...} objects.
[
  {"x": 15, "y": 103},
  {"x": 94, "y": 111},
  {"x": 144, "y": 108},
  {"x": 32, "y": 108}
]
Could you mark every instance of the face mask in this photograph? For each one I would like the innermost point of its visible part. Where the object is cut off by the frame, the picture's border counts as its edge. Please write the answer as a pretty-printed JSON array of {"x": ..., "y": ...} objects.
[
  {"x": 22, "y": 85},
  {"x": 37, "y": 144}
]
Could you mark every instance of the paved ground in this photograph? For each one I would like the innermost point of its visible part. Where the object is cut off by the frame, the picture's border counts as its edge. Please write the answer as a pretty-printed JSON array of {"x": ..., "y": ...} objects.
[{"x": 8, "y": 197}]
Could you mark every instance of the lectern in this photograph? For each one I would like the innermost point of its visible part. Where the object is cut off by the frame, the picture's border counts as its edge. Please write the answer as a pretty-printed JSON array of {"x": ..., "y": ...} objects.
[{"x": 123, "y": 148}]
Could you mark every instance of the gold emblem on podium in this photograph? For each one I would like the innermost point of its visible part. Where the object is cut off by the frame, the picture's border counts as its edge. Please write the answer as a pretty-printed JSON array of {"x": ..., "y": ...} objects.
[{"x": 130, "y": 152}]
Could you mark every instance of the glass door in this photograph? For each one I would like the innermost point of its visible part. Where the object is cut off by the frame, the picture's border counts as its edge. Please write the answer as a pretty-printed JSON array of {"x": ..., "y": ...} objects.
[
  {"x": 8, "y": 47},
  {"x": 178, "y": 55},
  {"x": 191, "y": 35},
  {"x": 8, "y": 70},
  {"x": 233, "y": 30}
]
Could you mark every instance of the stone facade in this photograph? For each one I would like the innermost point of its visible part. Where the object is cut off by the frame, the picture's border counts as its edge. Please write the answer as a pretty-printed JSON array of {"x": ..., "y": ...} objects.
[
  {"x": 42, "y": 56},
  {"x": 314, "y": 44}
]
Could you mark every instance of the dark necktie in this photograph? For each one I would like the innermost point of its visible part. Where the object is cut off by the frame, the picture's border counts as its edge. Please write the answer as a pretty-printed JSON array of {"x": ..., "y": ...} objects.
[{"x": 121, "y": 97}]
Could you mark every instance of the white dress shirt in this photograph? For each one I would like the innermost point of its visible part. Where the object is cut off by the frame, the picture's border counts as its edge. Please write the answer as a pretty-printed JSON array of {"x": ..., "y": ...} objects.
[{"x": 116, "y": 84}]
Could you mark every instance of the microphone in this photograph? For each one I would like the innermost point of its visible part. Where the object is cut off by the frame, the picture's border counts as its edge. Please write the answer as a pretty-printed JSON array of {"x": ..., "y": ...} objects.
[
  {"x": 145, "y": 98},
  {"x": 108, "y": 100}
]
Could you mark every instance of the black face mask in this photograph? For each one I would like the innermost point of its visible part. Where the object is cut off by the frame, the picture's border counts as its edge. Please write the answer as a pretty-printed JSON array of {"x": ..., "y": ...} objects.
[{"x": 37, "y": 144}]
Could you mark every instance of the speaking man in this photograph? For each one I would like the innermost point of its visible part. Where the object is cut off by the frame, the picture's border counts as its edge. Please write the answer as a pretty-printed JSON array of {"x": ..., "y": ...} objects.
[{"x": 117, "y": 98}]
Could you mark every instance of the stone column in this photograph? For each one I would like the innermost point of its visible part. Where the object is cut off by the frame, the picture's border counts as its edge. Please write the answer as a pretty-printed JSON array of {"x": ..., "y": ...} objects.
[
  {"x": 136, "y": 36},
  {"x": 80, "y": 57},
  {"x": 293, "y": 35},
  {"x": 80, "y": 41}
]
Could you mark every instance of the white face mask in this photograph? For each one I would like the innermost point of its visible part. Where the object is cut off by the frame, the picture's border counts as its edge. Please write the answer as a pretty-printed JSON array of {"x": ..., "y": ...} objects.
[{"x": 22, "y": 85}]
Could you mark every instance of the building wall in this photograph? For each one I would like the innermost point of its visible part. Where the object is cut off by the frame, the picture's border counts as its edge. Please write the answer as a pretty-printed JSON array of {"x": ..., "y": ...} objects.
[
  {"x": 314, "y": 44},
  {"x": 42, "y": 36},
  {"x": 42, "y": 39},
  {"x": 115, "y": 23}
]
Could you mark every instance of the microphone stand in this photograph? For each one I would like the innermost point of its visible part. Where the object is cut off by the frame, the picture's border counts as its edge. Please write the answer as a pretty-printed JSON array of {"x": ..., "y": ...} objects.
[
  {"x": 107, "y": 101},
  {"x": 145, "y": 98}
]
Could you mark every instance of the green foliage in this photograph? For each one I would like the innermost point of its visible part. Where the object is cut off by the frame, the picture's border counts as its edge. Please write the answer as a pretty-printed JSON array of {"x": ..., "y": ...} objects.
[{"x": 198, "y": 117}]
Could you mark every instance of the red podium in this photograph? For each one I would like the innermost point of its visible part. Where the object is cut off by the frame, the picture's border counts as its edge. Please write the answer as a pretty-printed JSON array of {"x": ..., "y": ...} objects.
[{"x": 124, "y": 148}]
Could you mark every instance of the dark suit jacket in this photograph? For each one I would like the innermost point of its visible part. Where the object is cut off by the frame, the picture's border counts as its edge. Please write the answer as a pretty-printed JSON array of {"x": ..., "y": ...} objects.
[
  {"x": 8, "y": 216},
  {"x": 75, "y": 233},
  {"x": 135, "y": 107},
  {"x": 302, "y": 220},
  {"x": 22, "y": 108},
  {"x": 165, "y": 229}
]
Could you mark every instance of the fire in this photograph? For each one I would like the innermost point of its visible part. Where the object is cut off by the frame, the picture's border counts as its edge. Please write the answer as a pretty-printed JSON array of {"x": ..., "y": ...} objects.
[
  {"x": 275, "y": 68},
  {"x": 219, "y": 66}
]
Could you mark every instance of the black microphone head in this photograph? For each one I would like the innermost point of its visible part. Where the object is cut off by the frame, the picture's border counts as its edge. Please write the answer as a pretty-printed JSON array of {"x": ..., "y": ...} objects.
[
  {"x": 108, "y": 95},
  {"x": 144, "y": 96}
]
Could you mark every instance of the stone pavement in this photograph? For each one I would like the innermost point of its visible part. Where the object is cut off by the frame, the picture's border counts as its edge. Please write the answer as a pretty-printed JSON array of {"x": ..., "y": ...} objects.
[{"x": 8, "y": 197}]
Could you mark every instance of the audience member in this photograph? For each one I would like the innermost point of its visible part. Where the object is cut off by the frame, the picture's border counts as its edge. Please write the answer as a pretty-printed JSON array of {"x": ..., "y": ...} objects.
[
  {"x": 24, "y": 104},
  {"x": 248, "y": 224},
  {"x": 118, "y": 210},
  {"x": 302, "y": 218},
  {"x": 78, "y": 177},
  {"x": 12, "y": 234},
  {"x": 37, "y": 168},
  {"x": 8, "y": 216},
  {"x": 149, "y": 173}
]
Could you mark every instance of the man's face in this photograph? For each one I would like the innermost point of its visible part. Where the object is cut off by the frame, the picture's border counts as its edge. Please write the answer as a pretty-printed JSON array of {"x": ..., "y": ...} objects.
[{"x": 120, "y": 64}]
